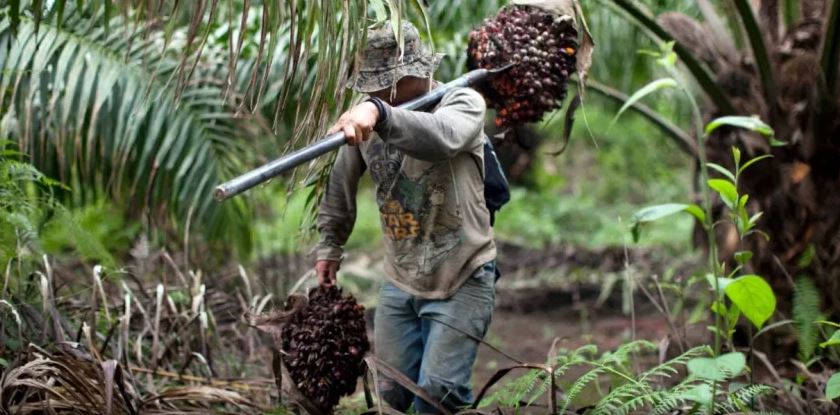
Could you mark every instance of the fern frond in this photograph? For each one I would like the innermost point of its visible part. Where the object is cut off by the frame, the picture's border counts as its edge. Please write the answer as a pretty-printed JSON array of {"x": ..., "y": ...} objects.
[
  {"x": 744, "y": 398},
  {"x": 579, "y": 354},
  {"x": 668, "y": 368},
  {"x": 806, "y": 310},
  {"x": 649, "y": 399},
  {"x": 580, "y": 384},
  {"x": 627, "y": 398},
  {"x": 674, "y": 398},
  {"x": 516, "y": 391},
  {"x": 623, "y": 354}
]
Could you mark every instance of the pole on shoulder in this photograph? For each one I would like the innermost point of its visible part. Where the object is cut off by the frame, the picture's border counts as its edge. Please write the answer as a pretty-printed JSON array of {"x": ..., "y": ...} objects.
[{"x": 334, "y": 141}]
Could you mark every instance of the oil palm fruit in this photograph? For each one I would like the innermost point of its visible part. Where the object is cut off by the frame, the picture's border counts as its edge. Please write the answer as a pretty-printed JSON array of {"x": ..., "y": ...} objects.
[
  {"x": 325, "y": 343},
  {"x": 541, "y": 45}
]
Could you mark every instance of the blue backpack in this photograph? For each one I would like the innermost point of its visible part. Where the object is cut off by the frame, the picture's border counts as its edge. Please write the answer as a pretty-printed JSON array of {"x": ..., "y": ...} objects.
[{"x": 496, "y": 187}]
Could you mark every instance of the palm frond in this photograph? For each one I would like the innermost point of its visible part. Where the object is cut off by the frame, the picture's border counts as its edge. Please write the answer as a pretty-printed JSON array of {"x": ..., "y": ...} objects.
[
  {"x": 680, "y": 137},
  {"x": 111, "y": 123},
  {"x": 831, "y": 50},
  {"x": 760, "y": 52},
  {"x": 791, "y": 11},
  {"x": 701, "y": 74}
]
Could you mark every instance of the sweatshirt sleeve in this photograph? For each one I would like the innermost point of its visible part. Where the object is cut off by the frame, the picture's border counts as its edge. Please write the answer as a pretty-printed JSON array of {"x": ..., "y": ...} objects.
[
  {"x": 451, "y": 129},
  {"x": 337, "y": 212}
]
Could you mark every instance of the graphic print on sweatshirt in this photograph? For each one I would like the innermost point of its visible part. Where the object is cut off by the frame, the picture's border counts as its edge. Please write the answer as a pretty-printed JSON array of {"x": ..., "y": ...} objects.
[{"x": 413, "y": 210}]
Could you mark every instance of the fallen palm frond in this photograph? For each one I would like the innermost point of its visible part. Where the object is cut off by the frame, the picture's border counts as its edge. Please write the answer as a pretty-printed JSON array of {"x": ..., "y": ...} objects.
[
  {"x": 70, "y": 380},
  {"x": 168, "y": 347}
]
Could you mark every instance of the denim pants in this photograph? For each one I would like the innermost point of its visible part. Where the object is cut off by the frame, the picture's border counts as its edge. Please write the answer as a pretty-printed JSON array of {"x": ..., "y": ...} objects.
[{"x": 409, "y": 336}]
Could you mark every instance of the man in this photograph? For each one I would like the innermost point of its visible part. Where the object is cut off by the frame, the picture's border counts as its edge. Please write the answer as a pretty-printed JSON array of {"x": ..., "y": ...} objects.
[{"x": 439, "y": 251}]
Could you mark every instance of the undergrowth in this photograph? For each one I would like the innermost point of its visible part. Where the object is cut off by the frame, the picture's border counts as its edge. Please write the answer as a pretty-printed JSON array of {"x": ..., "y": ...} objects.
[{"x": 618, "y": 388}]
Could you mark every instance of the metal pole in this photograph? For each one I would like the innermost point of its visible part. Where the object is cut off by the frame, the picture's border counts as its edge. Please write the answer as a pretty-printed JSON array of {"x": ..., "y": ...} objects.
[{"x": 336, "y": 140}]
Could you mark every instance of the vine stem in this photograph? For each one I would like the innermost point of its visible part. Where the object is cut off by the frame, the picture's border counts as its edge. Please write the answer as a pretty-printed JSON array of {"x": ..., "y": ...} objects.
[{"x": 708, "y": 225}]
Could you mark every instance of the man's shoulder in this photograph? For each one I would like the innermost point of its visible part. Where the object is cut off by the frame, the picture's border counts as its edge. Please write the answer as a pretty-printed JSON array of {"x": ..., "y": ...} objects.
[{"x": 464, "y": 95}]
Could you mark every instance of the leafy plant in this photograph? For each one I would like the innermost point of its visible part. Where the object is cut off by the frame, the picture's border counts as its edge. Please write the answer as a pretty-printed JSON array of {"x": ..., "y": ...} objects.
[
  {"x": 25, "y": 197},
  {"x": 634, "y": 392},
  {"x": 742, "y": 56},
  {"x": 750, "y": 295}
]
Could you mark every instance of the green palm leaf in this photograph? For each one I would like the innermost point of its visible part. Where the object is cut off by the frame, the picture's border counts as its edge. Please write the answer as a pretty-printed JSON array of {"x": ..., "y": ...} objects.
[
  {"x": 111, "y": 123},
  {"x": 831, "y": 51},
  {"x": 703, "y": 77},
  {"x": 759, "y": 48}
]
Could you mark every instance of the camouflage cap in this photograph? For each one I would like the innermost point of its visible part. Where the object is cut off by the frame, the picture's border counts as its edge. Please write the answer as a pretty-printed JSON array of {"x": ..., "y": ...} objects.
[{"x": 381, "y": 66}]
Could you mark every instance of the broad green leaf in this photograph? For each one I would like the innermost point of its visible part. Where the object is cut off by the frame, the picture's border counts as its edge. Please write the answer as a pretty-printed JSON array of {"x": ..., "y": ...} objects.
[
  {"x": 832, "y": 388},
  {"x": 719, "y": 369},
  {"x": 652, "y": 213},
  {"x": 722, "y": 170},
  {"x": 834, "y": 340},
  {"x": 722, "y": 282},
  {"x": 697, "y": 212},
  {"x": 643, "y": 92},
  {"x": 747, "y": 123},
  {"x": 727, "y": 191},
  {"x": 701, "y": 394},
  {"x": 754, "y": 297}
]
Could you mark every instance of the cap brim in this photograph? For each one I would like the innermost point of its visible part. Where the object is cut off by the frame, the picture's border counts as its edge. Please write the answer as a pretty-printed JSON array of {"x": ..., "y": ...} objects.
[{"x": 371, "y": 81}]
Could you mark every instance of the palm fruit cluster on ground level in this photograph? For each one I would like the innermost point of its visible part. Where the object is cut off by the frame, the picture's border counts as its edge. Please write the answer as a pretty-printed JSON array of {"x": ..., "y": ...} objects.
[
  {"x": 541, "y": 45},
  {"x": 325, "y": 344}
]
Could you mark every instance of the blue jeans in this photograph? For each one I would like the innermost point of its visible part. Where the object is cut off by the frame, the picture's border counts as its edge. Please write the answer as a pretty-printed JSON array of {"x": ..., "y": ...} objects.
[{"x": 409, "y": 336}]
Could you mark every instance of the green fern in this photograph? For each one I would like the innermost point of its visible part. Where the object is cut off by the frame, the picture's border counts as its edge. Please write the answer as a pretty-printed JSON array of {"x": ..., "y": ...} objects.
[
  {"x": 534, "y": 384},
  {"x": 516, "y": 391},
  {"x": 743, "y": 399},
  {"x": 562, "y": 363},
  {"x": 669, "y": 368},
  {"x": 673, "y": 398},
  {"x": 644, "y": 392},
  {"x": 631, "y": 396},
  {"x": 806, "y": 310},
  {"x": 580, "y": 384}
]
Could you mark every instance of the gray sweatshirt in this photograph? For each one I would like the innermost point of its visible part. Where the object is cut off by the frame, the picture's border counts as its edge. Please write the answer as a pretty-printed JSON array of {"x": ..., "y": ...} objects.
[{"x": 428, "y": 172}]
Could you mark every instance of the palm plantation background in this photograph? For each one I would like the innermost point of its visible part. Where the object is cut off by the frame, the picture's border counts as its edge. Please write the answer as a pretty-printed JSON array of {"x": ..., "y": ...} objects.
[{"x": 117, "y": 120}]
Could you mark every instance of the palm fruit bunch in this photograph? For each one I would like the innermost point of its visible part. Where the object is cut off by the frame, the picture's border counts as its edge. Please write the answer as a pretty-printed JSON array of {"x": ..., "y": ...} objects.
[
  {"x": 542, "y": 47},
  {"x": 325, "y": 343}
]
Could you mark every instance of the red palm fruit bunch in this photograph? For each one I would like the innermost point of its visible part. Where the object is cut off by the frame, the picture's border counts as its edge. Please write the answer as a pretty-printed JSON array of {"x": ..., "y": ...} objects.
[
  {"x": 541, "y": 45},
  {"x": 325, "y": 344}
]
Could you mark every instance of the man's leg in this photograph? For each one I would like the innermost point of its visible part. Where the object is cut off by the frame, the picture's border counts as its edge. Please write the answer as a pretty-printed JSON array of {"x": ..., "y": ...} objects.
[
  {"x": 398, "y": 341},
  {"x": 449, "y": 354}
]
